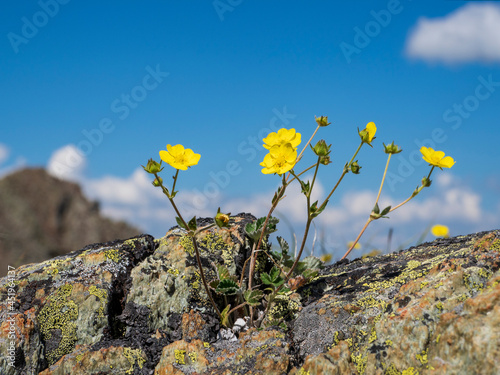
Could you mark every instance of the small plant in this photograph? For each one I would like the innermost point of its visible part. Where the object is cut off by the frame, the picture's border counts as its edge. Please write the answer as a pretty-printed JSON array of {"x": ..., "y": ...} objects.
[{"x": 258, "y": 293}]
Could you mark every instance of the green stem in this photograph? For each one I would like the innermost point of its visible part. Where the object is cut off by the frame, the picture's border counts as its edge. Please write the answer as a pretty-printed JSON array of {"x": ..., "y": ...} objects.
[
  {"x": 307, "y": 144},
  {"x": 196, "y": 250},
  {"x": 370, "y": 218},
  {"x": 415, "y": 193},
  {"x": 357, "y": 238},
  {"x": 383, "y": 178},
  {"x": 343, "y": 174},
  {"x": 175, "y": 180},
  {"x": 314, "y": 177}
]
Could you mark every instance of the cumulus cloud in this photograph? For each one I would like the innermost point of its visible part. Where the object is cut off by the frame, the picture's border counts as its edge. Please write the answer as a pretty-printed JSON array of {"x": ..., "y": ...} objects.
[
  {"x": 67, "y": 163},
  {"x": 132, "y": 198},
  {"x": 469, "y": 34}
]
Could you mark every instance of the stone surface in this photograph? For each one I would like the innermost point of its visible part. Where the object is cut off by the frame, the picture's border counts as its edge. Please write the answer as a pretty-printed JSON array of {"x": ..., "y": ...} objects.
[
  {"x": 42, "y": 217},
  {"x": 138, "y": 307}
]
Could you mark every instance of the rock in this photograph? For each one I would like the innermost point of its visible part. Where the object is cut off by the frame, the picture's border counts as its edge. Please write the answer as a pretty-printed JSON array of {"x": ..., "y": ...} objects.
[
  {"x": 42, "y": 217},
  {"x": 138, "y": 307}
]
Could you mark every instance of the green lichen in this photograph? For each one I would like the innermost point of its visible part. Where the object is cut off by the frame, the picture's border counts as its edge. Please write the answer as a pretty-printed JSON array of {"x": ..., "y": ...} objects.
[
  {"x": 102, "y": 295},
  {"x": 133, "y": 356},
  {"x": 59, "y": 314},
  {"x": 303, "y": 372}
]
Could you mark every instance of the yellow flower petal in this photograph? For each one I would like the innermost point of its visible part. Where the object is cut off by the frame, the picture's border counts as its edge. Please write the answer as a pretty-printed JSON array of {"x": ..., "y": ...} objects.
[
  {"x": 436, "y": 158},
  {"x": 447, "y": 162},
  {"x": 440, "y": 231},
  {"x": 371, "y": 128}
]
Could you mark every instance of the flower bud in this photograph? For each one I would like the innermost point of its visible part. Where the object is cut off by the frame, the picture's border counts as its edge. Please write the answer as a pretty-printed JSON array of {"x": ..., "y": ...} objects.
[
  {"x": 322, "y": 120},
  {"x": 325, "y": 160},
  {"x": 152, "y": 167},
  {"x": 368, "y": 134},
  {"x": 392, "y": 148},
  {"x": 221, "y": 219},
  {"x": 321, "y": 148},
  {"x": 157, "y": 182},
  {"x": 426, "y": 182},
  {"x": 354, "y": 167}
]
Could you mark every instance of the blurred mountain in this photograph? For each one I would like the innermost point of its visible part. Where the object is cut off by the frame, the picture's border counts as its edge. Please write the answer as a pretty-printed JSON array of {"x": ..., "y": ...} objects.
[{"x": 42, "y": 217}]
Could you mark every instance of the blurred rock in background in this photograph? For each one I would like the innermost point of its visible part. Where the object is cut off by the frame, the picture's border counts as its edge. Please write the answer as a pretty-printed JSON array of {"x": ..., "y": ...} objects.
[{"x": 42, "y": 217}]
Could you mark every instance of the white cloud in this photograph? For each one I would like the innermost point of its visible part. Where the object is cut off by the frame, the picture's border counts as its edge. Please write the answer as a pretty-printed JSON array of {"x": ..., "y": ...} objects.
[
  {"x": 469, "y": 34},
  {"x": 67, "y": 163},
  {"x": 4, "y": 153},
  {"x": 449, "y": 201}
]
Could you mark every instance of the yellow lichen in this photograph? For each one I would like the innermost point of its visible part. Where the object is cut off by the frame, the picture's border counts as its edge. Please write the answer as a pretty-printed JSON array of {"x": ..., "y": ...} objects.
[
  {"x": 102, "y": 295},
  {"x": 410, "y": 371},
  {"x": 193, "y": 356},
  {"x": 422, "y": 357},
  {"x": 113, "y": 255},
  {"x": 133, "y": 356},
  {"x": 392, "y": 370},
  {"x": 373, "y": 336},
  {"x": 180, "y": 356},
  {"x": 59, "y": 313},
  {"x": 360, "y": 362},
  {"x": 187, "y": 243}
]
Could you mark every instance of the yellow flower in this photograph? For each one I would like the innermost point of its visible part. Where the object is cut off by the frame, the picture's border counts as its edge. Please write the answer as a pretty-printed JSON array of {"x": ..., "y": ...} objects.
[
  {"x": 436, "y": 158},
  {"x": 368, "y": 133},
  {"x": 179, "y": 157},
  {"x": 371, "y": 129},
  {"x": 440, "y": 231},
  {"x": 280, "y": 159},
  {"x": 283, "y": 136},
  {"x": 357, "y": 246}
]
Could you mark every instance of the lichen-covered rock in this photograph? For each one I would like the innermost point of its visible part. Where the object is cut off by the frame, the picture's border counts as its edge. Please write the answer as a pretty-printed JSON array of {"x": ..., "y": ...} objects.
[
  {"x": 432, "y": 309},
  {"x": 138, "y": 307}
]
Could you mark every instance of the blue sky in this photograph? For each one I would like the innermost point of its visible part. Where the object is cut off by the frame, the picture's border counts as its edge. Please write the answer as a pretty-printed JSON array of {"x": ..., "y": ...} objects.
[{"x": 91, "y": 90}]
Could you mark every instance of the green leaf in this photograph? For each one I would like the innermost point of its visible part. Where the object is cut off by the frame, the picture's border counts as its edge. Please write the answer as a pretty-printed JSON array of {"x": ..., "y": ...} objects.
[
  {"x": 275, "y": 274},
  {"x": 213, "y": 284},
  {"x": 253, "y": 297},
  {"x": 192, "y": 223},
  {"x": 180, "y": 222},
  {"x": 310, "y": 274},
  {"x": 223, "y": 272},
  {"x": 305, "y": 187},
  {"x": 266, "y": 279},
  {"x": 284, "y": 246},
  {"x": 310, "y": 262},
  {"x": 254, "y": 230},
  {"x": 385, "y": 211},
  {"x": 227, "y": 287},
  {"x": 225, "y": 316}
]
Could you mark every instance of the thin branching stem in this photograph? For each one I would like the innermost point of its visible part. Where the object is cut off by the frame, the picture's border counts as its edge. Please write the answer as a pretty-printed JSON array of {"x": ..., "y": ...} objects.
[
  {"x": 370, "y": 219},
  {"x": 195, "y": 245}
]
